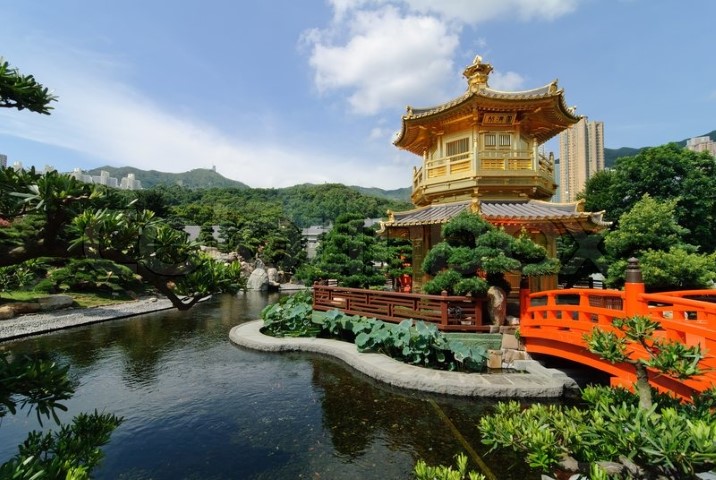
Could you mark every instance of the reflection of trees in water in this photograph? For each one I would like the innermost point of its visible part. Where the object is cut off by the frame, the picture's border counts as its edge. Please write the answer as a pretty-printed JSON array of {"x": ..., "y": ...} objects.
[
  {"x": 145, "y": 340},
  {"x": 358, "y": 411}
]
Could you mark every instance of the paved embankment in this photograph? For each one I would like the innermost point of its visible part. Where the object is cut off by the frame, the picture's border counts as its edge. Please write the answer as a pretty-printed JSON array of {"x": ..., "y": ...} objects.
[
  {"x": 531, "y": 381},
  {"x": 35, "y": 323}
]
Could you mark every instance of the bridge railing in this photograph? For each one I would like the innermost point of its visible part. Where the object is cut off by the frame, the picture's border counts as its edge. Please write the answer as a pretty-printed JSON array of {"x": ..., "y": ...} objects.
[
  {"x": 556, "y": 321},
  {"x": 449, "y": 313}
]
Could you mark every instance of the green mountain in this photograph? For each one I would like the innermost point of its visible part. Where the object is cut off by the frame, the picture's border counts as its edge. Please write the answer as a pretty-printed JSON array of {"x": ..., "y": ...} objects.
[
  {"x": 197, "y": 178},
  {"x": 400, "y": 194},
  {"x": 611, "y": 154}
]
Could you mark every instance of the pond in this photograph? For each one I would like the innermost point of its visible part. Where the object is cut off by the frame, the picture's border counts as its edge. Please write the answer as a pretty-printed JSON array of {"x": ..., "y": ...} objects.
[{"x": 198, "y": 407}]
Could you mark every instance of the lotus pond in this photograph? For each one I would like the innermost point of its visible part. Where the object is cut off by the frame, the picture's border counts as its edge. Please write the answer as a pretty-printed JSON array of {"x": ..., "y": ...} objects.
[{"x": 198, "y": 407}]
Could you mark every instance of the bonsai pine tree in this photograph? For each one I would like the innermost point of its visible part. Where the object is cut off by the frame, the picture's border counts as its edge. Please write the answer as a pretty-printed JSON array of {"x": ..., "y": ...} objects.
[
  {"x": 472, "y": 245},
  {"x": 347, "y": 253}
]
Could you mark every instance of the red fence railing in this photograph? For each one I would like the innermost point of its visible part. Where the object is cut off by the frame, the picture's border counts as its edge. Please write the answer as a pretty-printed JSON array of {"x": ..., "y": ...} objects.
[
  {"x": 556, "y": 321},
  {"x": 449, "y": 313}
]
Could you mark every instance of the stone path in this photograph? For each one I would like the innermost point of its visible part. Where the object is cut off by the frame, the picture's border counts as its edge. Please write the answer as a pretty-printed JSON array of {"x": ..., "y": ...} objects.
[{"x": 35, "y": 323}]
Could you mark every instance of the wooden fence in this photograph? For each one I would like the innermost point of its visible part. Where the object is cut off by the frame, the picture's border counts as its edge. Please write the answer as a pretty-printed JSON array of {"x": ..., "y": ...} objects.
[{"x": 449, "y": 313}]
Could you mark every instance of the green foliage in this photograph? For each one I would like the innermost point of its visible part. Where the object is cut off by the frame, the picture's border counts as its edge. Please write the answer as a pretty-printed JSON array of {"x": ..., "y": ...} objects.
[
  {"x": 416, "y": 343},
  {"x": 347, "y": 253},
  {"x": 93, "y": 275},
  {"x": 650, "y": 232},
  {"x": 677, "y": 269},
  {"x": 668, "y": 172},
  {"x": 23, "y": 91},
  {"x": 69, "y": 453},
  {"x": 437, "y": 259},
  {"x": 668, "y": 357},
  {"x": 23, "y": 275},
  {"x": 471, "y": 245},
  {"x": 291, "y": 316},
  {"x": 674, "y": 440},
  {"x": 423, "y": 471},
  {"x": 443, "y": 281}
]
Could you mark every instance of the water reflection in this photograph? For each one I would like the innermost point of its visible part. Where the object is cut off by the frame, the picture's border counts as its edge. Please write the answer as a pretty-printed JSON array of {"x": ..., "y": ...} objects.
[{"x": 197, "y": 406}]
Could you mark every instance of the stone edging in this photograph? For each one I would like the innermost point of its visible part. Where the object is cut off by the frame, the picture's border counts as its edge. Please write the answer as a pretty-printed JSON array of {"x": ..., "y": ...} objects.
[{"x": 531, "y": 382}]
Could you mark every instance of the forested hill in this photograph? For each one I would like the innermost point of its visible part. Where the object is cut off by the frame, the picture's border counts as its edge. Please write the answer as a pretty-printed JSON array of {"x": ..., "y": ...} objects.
[
  {"x": 304, "y": 205},
  {"x": 611, "y": 154},
  {"x": 197, "y": 178}
]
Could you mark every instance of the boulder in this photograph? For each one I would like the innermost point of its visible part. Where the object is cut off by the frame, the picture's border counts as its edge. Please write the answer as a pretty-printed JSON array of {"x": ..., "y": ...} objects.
[
  {"x": 258, "y": 280},
  {"x": 55, "y": 302}
]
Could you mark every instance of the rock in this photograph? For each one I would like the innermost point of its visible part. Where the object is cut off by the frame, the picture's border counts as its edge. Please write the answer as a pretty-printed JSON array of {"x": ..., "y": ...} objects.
[
  {"x": 273, "y": 280},
  {"x": 497, "y": 302},
  {"x": 258, "y": 280},
  {"x": 25, "y": 307},
  {"x": 55, "y": 302},
  {"x": 6, "y": 312}
]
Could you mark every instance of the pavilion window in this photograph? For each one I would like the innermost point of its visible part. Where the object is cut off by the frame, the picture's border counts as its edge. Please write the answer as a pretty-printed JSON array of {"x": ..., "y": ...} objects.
[
  {"x": 505, "y": 140},
  {"x": 490, "y": 140},
  {"x": 457, "y": 147}
]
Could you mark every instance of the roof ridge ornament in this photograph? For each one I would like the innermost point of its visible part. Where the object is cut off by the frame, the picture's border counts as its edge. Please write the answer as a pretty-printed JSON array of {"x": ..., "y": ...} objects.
[{"x": 477, "y": 74}]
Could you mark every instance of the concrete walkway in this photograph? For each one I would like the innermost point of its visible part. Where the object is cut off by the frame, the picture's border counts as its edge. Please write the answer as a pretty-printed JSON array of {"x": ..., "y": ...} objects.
[
  {"x": 532, "y": 380},
  {"x": 35, "y": 323}
]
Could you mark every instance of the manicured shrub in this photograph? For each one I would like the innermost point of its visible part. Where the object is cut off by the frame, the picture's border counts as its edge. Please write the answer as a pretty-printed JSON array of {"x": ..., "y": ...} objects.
[{"x": 94, "y": 275}]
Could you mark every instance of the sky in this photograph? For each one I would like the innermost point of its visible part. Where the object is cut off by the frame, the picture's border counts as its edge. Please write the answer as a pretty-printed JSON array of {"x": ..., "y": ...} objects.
[{"x": 275, "y": 93}]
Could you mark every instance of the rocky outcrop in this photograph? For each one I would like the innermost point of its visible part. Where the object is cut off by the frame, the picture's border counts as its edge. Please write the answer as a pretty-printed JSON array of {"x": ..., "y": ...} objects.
[
  {"x": 43, "y": 304},
  {"x": 258, "y": 280}
]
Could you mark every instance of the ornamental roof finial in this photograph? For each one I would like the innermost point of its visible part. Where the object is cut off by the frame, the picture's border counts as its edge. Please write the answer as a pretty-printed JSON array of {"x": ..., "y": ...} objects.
[{"x": 477, "y": 74}]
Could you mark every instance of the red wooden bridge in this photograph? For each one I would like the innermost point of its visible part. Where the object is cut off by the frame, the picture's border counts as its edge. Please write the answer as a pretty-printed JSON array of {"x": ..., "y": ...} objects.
[{"x": 554, "y": 322}]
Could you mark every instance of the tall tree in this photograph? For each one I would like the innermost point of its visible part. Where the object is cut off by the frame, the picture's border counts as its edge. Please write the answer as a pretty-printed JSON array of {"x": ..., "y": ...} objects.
[
  {"x": 665, "y": 173},
  {"x": 347, "y": 253}
]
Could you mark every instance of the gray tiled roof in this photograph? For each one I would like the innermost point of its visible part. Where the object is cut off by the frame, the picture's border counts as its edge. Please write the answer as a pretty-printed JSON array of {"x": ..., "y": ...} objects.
[{"x": 492, "y": 210}]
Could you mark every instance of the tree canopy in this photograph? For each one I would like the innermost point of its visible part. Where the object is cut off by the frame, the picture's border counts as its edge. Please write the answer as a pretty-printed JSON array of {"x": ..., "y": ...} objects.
[
  {"x": 23, "y": 91},
  {"x": 667, "y": 172}
]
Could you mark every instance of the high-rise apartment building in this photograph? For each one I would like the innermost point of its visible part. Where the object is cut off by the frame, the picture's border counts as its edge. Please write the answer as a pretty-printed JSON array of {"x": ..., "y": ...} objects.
[
  {"x": 701, "y": 144},
  {"x": 3, "y": 160},
  {"x": 581, "y": 155}
]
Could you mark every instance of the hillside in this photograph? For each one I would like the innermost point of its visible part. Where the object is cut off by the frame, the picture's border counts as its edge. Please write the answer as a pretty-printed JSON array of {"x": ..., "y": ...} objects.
[
  {"x": 197, "y": 178},
  {"x": 611, "y": 154},
  {"x": 400, "y": 194}
]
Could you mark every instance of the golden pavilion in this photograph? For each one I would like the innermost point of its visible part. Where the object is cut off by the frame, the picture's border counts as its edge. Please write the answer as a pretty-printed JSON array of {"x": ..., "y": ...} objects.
[{"x": 482, "y": 151}]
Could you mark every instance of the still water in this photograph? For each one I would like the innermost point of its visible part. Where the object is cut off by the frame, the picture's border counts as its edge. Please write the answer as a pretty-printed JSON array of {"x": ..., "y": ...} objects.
[{"x": 195, "y": 406}]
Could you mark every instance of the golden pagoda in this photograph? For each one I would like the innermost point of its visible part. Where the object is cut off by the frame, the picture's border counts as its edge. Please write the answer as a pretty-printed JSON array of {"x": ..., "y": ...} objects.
[{"x": 483, "y": 151}]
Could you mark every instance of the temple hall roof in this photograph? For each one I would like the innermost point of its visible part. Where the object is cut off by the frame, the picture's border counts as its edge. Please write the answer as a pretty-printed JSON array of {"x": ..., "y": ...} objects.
[
  {"x": 563, "y": 216},
  {"x": 541, "y": 112}
]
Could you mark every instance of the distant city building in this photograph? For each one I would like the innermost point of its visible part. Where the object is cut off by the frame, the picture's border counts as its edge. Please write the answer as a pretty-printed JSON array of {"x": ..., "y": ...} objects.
[
  {"x": 701, "y": 144},
  {"x": 127, "y": 183},
  {"x": 17, "y": 166},
  {"x": 48, "y": 169},
  {"x": 79, "y": 175},
  {"x": 3, "y": 160},
  {"x": 581, "y": 155},
  {"x": 130, "y": 183}
]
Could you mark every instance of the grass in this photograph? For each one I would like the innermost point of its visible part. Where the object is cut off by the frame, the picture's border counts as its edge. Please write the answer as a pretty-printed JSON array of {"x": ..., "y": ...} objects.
[{"x": 82, "y": 299}]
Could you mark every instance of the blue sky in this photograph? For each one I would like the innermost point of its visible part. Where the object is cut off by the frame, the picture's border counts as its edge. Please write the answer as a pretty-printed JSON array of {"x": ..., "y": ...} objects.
[{"x": 280, "y": 92}]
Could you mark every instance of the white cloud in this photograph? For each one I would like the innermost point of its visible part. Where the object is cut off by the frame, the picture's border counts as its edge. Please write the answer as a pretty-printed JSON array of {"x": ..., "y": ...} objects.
[
  {"x": 388, "y": 60},
  {"x": 110, "y": 122},
  {"x": 508, "y": 81},
  {"x": 384, "y": 54}
]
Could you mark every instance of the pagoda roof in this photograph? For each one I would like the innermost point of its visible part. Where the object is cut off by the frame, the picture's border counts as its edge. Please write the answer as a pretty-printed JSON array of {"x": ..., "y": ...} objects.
[
  {"x": 562, "y": 216},
  {"x": 541, "y": 112}
]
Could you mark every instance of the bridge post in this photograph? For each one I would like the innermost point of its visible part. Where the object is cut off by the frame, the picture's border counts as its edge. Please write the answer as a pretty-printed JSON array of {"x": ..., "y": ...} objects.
[
  {"x": 633, "y": 289},
  {"x": 524, "y": 297}
]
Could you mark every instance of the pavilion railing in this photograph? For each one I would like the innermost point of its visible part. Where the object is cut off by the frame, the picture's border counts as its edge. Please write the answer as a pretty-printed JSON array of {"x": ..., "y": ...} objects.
[{"x": 449, "y": 313}]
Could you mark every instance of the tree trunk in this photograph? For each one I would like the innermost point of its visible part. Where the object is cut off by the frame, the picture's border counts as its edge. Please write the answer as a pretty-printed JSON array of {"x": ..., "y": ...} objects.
[{"x": 642, "y": 385}]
